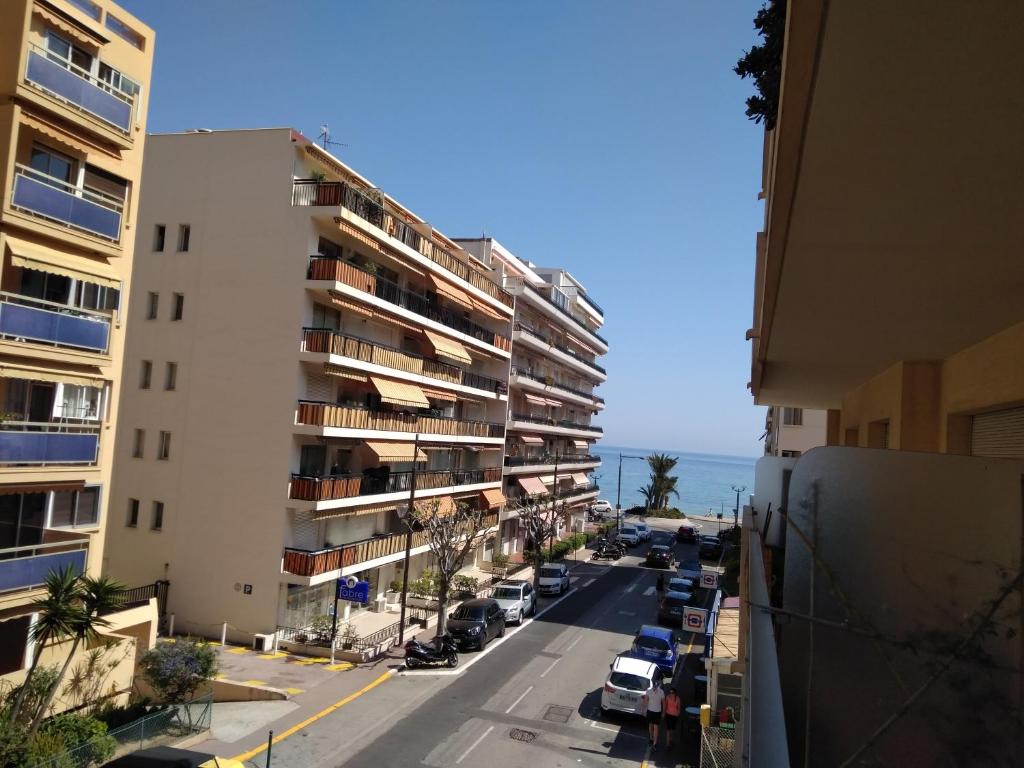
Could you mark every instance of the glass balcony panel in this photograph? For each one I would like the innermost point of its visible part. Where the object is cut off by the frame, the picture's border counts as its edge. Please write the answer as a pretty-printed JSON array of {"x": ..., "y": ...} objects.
[
  {"x": 33, "y": 444},
  {"x": 52, "y": 198},
  {"x": 27, "y": 567},
  {"x": 62, "y": 80},
  {"x": 48, "y": 323}
]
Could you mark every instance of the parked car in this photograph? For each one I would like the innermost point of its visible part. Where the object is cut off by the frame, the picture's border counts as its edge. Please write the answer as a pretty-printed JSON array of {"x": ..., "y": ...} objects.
[
  {"x": 629, "y": 535},
  {"x": 628, "y": 684},
  {"x": 657, "y": 644},
  {"x": 680, "y": 584},
  {"x": 516, "y": 598},
  {"x": 710, "y": 546},
  {"x": 671, "y": 609},
  {"x": 659, "y": 556},
  {"x": 690, "y": 569},
  {"x": 687, "y": 533},
  {"x": 477, "y": 622},
  {"x": 643, "y": 530},
  {"x": 554, "y": 579},
  {"x": 602, "y": 506}
]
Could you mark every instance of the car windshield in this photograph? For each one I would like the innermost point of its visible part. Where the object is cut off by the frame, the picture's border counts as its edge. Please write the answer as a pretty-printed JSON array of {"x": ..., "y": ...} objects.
[
  {"x": 628, "y": 531},
  {"x": 628, "y": 681},
  {"x": 469, "y": 613},
  {"x": 675, "y": 602},
  {"x": 550, "y": 573},
  {"x": 690, "y": 565},
  {"x": 678, "y": 585},
  {"x": 659, "y": 549},
  {"x": 651, "y": 643},
  {"x": 506, "y": 593}
]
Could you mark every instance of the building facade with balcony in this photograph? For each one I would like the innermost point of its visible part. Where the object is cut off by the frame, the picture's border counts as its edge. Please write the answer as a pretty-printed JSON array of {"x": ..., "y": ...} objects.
[
  {"x": 790, "y": 432},
  {"x": 74, "y": 75},
  {"x": 313, "y": 346},
  {"x": 556, "y": 345}
]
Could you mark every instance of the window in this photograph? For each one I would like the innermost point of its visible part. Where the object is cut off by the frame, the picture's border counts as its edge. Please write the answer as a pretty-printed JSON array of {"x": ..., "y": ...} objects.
[
  {"x": 133, "y": 513},
  {"x": 22, "y": 518},
  {"x": 159, "y": 235},
  {"x": 75, "y": 401},
  {"x": 51, "y": 163},
  {"x": 326, "y": 317},
  {"x": 75, "y": 508},
  {"x": 152, "y": 305},
  {"x": 64, "y": 52},
  {"x": 139, "y": 443},
  {"x": 793, "y": 417},
  {"x": 171, "y": 379},
  {"x": 184, "y": 233},
  {"x": 158, "y": 516},
  {"x": 146, "y": 375},
  {"x": 179, "y": 306},
  {"x": 88, "y": 7},
  {"x": 123, "y": 31},
  {"x": 13, "y": 643},
  {"x": 164, "y": 451}
]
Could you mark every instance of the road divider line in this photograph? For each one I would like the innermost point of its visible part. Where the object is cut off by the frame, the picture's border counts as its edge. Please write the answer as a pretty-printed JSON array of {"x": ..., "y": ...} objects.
[
  {"x": 573, "y": 643},
  {"x": 521, "y": 697},
  {"x": 587, "y": 583},
  {"x": 550, "y": 667},
  {"x": 649, "y": 591},
  {"x": 473, "y": 746}
]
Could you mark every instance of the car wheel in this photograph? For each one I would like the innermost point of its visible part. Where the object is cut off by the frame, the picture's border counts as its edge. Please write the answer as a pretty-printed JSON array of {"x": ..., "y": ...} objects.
[
  {"x": 483, "y": 641},
  {"x": 519, "y": 617},
  {"x": 501, "y": 632},
  {"x": 533, "y": 608}
]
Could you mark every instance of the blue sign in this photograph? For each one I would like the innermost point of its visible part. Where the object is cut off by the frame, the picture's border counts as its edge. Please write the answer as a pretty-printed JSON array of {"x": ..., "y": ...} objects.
[{"x": 358, "y": 592}]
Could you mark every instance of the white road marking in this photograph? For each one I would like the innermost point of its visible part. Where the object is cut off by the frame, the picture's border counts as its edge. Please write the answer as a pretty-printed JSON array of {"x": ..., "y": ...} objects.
[
  {"x": 587, "y": 583},
  {"x": 550, "y": 667},
  {"x": 521, "y": 697},
  {"x": 473, "y": 746},
  {"x": 627, "y": 613},
  {"x": 632, "y": 584},
  {"x": 573, "y": 643},
  {"x": 649, "y": 591}
]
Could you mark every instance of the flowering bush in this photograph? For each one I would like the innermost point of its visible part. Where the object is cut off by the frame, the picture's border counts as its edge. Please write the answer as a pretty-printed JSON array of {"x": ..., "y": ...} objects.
[{"x": 176, "y": 670}]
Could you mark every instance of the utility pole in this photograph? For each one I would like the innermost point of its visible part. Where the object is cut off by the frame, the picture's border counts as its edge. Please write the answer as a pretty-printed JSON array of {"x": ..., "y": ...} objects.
[
  {"x": 736, "y": 510},
  {"x": 408, "y": 541},
  {"x": 553, "y": 518}
]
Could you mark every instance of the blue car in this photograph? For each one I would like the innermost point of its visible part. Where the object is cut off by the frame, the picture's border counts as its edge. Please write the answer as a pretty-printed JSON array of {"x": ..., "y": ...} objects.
[{"x": 657, "y": 645}]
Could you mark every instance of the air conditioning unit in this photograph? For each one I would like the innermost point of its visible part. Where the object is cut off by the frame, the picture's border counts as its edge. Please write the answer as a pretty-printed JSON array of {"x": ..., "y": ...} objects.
[
  {"x": 263, "y": 643},
  {"x": 380, "y": 605}
]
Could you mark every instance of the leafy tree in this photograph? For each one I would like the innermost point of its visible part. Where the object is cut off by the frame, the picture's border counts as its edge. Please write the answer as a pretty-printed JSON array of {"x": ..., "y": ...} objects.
[
  {"x": 662, "y": 484},
  {"x": 539, "y": 517},
  {"x": 177, "y": 670},
  {"x": 763, "y": 63}
]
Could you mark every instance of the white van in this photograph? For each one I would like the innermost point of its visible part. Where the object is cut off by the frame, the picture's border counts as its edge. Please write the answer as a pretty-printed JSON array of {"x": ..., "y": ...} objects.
[{"x": 643, "y": 530}]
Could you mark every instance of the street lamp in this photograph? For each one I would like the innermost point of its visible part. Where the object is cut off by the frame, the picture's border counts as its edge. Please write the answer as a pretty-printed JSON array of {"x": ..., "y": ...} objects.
[
  {"x": 618, "y": 490},
  {"x": 736, "y": 510}
]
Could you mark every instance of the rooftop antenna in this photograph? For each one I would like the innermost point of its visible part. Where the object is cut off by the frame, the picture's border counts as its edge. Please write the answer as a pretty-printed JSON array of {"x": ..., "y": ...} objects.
[{"x": 325, "y": 137}]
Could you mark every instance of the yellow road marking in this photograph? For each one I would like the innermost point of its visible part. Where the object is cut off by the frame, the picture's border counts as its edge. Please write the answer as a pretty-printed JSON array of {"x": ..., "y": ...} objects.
[
  {"x": 314, "y": 660},
  {"x": 239, "y": 651},
  {"x": 254, "y": 682},
  {"x": 341, "y": 666},
  {"x": 275, "y": 655},
  {"x": 293, "y": 691},
  {"x": 312, "y": 719}
]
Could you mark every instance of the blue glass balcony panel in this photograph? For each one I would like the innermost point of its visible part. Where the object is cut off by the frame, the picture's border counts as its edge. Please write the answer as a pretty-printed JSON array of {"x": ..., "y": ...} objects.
[
  {"x": 88, "y": 96},
  {"x": 48, "y": 447},
  {"x": 48, "y": 326},
  {"x": 26, "y": 572},
  {"x": 55, "y": 203}
]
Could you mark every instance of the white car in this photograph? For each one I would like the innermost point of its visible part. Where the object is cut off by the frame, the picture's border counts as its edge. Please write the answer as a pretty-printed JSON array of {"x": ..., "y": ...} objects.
[
  {"x": 629, "y": 535},
  {"x": 516, "y": 598},
  {"x": 628, "y": 684},
  {"x": 554, "y": 579},
  {"x": 644, "y": 530},
  {"x": 601, "y": 505}
]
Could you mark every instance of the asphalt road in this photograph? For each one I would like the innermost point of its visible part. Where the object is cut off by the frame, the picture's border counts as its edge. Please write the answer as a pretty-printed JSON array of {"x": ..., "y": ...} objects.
[{"x": 530, "y": 700}]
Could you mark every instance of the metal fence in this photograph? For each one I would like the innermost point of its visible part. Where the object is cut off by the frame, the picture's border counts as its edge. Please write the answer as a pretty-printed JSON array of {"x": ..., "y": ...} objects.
[
  {"x": 717, "y": 745},
  {"x": 163, "y": 726}
]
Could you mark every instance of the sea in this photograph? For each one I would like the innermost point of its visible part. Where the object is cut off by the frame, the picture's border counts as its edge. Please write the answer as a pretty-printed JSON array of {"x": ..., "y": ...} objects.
[{"x": 705, "y": 480}]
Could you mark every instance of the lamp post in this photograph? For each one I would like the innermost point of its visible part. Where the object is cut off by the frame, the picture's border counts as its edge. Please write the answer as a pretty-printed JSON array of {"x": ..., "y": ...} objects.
[
  {"x": 408, "y": 541},
  {"x": 618, "y": 491},
  {"x": 736, "y": 510}
]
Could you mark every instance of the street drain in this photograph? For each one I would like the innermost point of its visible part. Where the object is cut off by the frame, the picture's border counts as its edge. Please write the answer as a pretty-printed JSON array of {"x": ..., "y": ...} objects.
[
  {"x": 524, "y": 736},
  {"x": 558, "y": 714}
]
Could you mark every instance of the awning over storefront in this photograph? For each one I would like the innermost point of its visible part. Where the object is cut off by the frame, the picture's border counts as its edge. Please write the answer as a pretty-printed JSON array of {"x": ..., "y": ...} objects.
[
  {"x": 450, "y": 292},
  {"x": 532, "y": 439},
  {"x": 448, "y": 348},
  {"x": 399, "y": 393},
  {"x": 493, "y": 498},
  {"x": 581, "y": 444},
  {"x": 439, "y": 394},
  {"x": 532, "y": 486},
  {"x": 337, "y": 370},
  {"x": 388, "y": 452},
  {"x": 580, "y": 478},
  {"x": 12, "y": 371},
  {"x": 536, "y": 400},
  {"x": 28, "y": 255}
]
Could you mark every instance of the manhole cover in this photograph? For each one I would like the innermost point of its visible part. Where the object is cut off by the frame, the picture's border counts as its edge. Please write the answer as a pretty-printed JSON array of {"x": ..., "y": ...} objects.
[
  {"x": 558, "y": 714},
  {"x": 520, "y": 735}
]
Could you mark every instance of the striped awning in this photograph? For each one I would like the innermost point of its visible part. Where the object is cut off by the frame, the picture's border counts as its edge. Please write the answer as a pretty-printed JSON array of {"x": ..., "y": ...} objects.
[
  {"x": 70, "y": 485},
  {"x": 487, "y": 309},
  {"x": 439, "y": 394},
  {"x": 532, "y": 439},
  {"x": 556, "y": 403},
  {"x": 581, "y": 444},
  {"x": 351, "y": 306},
  {"x": 12, "y": 371},
  {"x": 445, "y": 506},
  {"x": 388, "y": 452},
  {"x": 493, "y": 498},
  {"x": 536, "y": 400},
  {"x": 369, "y": 509},
  {"x": 580, "y": 478},
  {"x": 448, "y": 348},
  {"x": 399, "y": 393},
  {"x": 29, "y": 255},
  {"x": 549, "y": 479},
  {"x": 337, "y": 370},
  {"x": 532, "y": 486},
  {"x": 450, "y": 292}
]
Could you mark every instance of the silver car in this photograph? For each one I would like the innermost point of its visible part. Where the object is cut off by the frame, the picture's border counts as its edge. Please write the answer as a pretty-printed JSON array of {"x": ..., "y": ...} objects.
[{"x": 516, "y": 598}]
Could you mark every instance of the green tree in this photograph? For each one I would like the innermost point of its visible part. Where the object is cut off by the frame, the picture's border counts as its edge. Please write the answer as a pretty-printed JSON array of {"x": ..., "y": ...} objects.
[
  {"x": 662, "y": 485},
  {"x": 177, "y": 670},
  {"x": 763, "y": 63}
]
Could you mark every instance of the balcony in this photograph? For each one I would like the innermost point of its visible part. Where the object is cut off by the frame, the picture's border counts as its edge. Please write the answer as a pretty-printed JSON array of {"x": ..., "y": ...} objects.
[
  {"x": 80, "y": 89},
  {"x": 328, "y": 341},
  {"x": 564, "y": 495},
  {"x": 83, "y": 209},
  {"x": 43, "y": 443},
  {"x": 556, "y": 424},
  {"x": 329, "y": 415},
  {"x": 304, "y": 562},
  {"x": 44, "y": 322},
  {"x": 522, "y": 328},
  {"x": 560, "y": 302},
  {"x": 552, "y": 383},
  {"x": 337, "y": 193},
  {"x": 551, "y": 460},
  {"x": 28, "y": 567},
  {"x": 324, "y": 268},
  {"x": 329, "y": 487}
]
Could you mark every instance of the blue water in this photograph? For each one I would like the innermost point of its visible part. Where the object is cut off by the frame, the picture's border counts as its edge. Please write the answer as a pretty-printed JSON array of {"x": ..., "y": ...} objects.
[{"x": 704, "y": 480}]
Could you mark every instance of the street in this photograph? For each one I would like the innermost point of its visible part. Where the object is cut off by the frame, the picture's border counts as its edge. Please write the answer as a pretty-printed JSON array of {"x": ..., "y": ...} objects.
[{"x": 531, "y": 699}]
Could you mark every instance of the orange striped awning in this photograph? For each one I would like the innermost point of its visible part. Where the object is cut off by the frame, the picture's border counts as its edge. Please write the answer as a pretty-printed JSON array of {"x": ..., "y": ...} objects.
[
  {"x": 532, "y": 439},
  {"x": 532, "y": 485},
  {"x": 536, "y": 400},
  {"x": 493, "y": 498},
  {"x": 581, "y": 444},
  {"x": 580, "y": 478},
  {"x": 399, "y": 393},
  {"x": 485, "y": 308},
  {"x": 439, "y": 394},
  {"x": 351, "y": 306},
  {"x": 448, "y": 348},
  {"x": 337, "y": 370},
  {"x": 450, "y": 292},
  {"x": 388, "y": 452},
  {"x": 445, "y": 506},
  {"x": 370, "y": 509},
  {"x": 358, "y": 234}
]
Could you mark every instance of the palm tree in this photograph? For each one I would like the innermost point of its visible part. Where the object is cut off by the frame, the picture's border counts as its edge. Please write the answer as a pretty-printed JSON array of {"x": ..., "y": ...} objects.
[{"x": 662, "y": 484}]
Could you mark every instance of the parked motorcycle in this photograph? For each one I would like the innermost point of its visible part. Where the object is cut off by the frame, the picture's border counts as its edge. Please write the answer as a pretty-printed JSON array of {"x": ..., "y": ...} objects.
[
  {"x": 606, "y": 550},
  {"x": 419, "y": 654},
  {"x": 612, "y": 544}
]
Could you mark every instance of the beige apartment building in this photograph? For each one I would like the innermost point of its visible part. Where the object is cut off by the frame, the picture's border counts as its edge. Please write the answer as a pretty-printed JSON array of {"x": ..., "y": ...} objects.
[
  {"x": 555, "y": 347},
  {"x": 301, "y": 343},
  {"x": 74, "y": 75},
  {"x": 790, "y": 432},
  {"x": 882, "y": 617}
]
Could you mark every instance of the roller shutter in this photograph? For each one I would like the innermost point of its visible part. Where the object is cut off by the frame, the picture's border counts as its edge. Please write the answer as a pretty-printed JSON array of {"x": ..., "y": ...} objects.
[{"x": 999, "y": 434}]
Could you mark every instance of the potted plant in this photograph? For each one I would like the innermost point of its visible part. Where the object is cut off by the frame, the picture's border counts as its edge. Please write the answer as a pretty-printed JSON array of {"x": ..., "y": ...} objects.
[{"x": 349, "y": 637}]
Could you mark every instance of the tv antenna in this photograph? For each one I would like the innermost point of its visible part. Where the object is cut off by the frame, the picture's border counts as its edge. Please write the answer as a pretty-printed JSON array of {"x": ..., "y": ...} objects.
[{"x": 325, "y": 137}]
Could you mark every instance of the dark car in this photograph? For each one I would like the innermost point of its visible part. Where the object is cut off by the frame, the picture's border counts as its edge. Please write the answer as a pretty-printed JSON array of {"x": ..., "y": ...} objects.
[
  {"x": 671, "y": 609},
  {"x": 686, "y": 533},
  {"x": 710, "y": 546},
  {"x": 659, "y": 556},
  {"x": 474, "y": 623}
]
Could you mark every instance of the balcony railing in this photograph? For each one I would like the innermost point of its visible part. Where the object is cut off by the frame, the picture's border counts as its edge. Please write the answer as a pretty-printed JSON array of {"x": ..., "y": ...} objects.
[
  {"x": 304, "y": 562},
  {"x": 313, "y": 192},
  {"x": 554, "y": 422},
  {"x": 333, "y": 342},
  {"x": 27, "y": 442},
  {"x": 309, "y": 488},
  {"x": 568, "y": 493},
  {"x": 324, "y": 268},
  {"x": 550, "y": 459},
  {"x": 521, "y": 283},
  {"x": 323, "y": 414},
  {"x": 74, "y": 85},
  {"x": 549, "y": 381},
  {"x": 44, "y": 322},
  {"x": 28, "y": 567},
  {"x": 537, "y": 334},
  {"x": 81, "y": 208}
]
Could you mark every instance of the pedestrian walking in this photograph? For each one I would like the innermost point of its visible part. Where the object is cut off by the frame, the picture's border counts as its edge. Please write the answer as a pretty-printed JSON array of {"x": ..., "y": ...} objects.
[
  {"x": 655, "y": 700},
  {"x": 673, "y": 706}
]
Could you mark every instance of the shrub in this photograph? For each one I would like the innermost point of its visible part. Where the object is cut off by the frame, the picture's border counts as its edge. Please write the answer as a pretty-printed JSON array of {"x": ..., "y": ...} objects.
[
  {"x": 349, "y": 636},
  {"x": 499, "y": 560},
  {"x": 87, "y": 736},
  {"x": 395, "y": 585},
  {"x": 176, "y": 670},
  {"x": 465, "y": 584},
  {"x": 671, "y": 513}
]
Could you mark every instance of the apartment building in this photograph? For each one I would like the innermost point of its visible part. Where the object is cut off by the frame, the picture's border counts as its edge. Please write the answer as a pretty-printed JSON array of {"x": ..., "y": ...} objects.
[
  {"x": 74, "y": 75},
  {"x": 790, "y": 432},
  {"x": 555, "y": 347},
  {"x": 302, "y": 342},
  {"x": 882, "y": 573}
]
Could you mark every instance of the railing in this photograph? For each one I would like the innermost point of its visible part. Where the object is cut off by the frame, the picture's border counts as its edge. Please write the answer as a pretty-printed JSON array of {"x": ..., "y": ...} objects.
[
  {"x": 313, "y": 192},
  {"x": 549, "y": 381},
  {"x": 554, "y": 422},
  {"x": 326, "y": 268},
  {"x": 549, "y": 460},
  {"x": 528, "y": 330},
  {"x": 519, "y": 282},
  {"x": 45, "y": 322},
  {"x": 334, "y": 342},
  {"x": 323, "y": 414},
  {"x": 82, "y": 208},
  {"x": 310, "y": 488},
  {"x": 30, "y": 442},
  {"x": 73, "y": 84},
  {"x": 27, "y": 567},
  {"x": 554, "y": 496}
]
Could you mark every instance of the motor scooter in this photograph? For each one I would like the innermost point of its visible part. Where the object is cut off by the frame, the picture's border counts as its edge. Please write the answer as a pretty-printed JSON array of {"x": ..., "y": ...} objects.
[{"x": 419, "y": 654}]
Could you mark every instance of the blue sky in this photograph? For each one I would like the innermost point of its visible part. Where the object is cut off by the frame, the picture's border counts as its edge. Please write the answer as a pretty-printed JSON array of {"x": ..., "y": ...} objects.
[{"x": 605, "y": 137}]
